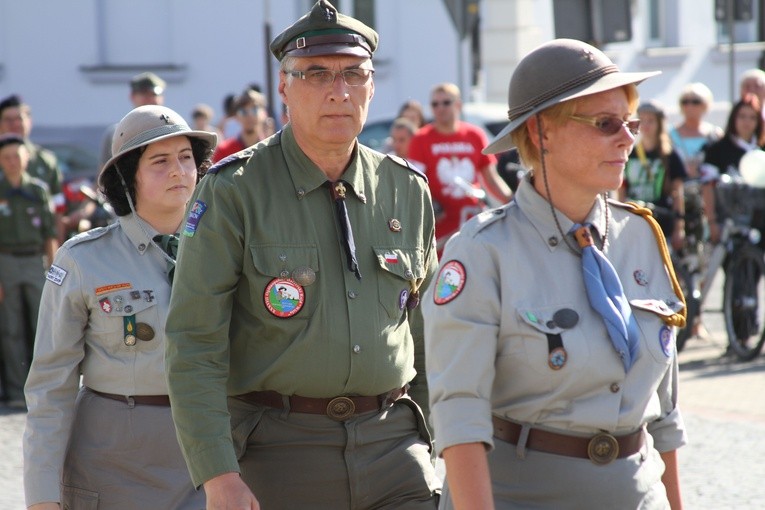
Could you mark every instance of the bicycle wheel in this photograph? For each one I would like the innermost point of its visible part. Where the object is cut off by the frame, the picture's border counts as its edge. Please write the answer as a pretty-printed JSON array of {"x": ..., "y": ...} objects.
[
  {"x": 686, "y": 281},
  {"x": 744, "y": 302}
]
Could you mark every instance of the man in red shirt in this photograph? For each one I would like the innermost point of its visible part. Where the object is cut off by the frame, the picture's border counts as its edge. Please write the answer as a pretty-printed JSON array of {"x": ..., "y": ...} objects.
[
  {"x": 449, "y": 151},
  {"x": 252, "y": 114}
]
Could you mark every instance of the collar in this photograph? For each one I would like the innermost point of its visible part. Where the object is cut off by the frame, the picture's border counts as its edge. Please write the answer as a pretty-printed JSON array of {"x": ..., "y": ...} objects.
[
  {"x": 306, "y": 176},
  {"x": 537, "y": 209},
  {"x": 136, "y": 231}
]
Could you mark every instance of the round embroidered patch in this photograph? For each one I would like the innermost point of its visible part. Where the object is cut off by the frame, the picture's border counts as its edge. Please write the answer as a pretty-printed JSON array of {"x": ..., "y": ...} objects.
[
  {"x": 450, "y": 282},
  {"x": 665, "y": 340},
  {"x": 640, "y": 277},
  {"x": 402, "y": 299},
  {"x": 283, "y": 297}
]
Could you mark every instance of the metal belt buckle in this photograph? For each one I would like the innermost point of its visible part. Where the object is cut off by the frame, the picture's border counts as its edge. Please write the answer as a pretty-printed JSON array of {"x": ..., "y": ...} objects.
[
  {"x": 602, "y": 449},
  {"x": 340, "y": 408}
]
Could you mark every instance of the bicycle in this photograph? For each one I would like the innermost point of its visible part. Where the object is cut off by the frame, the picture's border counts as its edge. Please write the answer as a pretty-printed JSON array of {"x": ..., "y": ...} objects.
[{"x": 740, "y": 254}]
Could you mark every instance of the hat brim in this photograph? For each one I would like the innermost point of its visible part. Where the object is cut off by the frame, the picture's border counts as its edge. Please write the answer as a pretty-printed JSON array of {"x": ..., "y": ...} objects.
[
  {"x": 329, "y": 49},
  {"x": 210, "y": 138},
  {"x": 503, "y": 141}
]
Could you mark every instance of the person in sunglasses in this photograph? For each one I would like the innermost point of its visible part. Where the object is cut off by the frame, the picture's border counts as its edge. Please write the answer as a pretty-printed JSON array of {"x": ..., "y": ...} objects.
[
  {"x": 295, "y": 355},
  {"x": 549, "y": 328},
  {"x": 655, "y": 174},
  {"x": 449, "y": 151},
  {"x": 251, "y": 113},
  {"x": 692, "y": 133}
]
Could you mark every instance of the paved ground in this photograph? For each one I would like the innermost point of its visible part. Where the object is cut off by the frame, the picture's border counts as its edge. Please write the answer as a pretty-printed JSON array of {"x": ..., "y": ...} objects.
[{"x": 723, "y": 467}]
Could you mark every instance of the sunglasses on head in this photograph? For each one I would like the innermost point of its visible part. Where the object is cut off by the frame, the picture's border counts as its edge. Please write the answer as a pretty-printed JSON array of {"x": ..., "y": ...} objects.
[
  {"x": 445, "y": 102},
  {"x": 691, "y": 100},
  {"x": 609, "y": 124}
]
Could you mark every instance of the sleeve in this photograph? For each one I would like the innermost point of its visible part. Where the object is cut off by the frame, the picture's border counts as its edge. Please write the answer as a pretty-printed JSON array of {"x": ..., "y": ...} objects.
[
  {"x": 48, "y": 228},
  {"x": 676, "y": 167},
  {"x": 197, "y": 348},
  {"x": 668, "y": 430},
  {"x": 484, "y": 159},
  {"x": 418, "y": 389},
  {"x": 417, "y": 151},
  {"x": 53, "y": 381},
  {"x": 461, "y": 336}
]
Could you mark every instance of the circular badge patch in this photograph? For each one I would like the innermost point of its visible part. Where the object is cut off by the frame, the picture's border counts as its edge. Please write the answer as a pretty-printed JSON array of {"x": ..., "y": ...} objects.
[
  {"x": 283, "y": 297},
  {"x": 665, "y": 340},
  {"x": 450, "y": 282}
]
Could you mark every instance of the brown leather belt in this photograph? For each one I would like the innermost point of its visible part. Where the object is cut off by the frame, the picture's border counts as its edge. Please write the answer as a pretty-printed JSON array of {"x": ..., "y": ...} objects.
[
  {"x": 146, "y": 400},
  {"x": 600, "y": 449},
  {"x": 337, "y": 408}
]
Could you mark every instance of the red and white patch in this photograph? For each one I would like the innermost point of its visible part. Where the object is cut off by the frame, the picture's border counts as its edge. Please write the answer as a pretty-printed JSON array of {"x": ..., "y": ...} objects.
[
  {"x": 106, "y": 305},
  {"x": 450, "y": 282},
  {"x": 391, "y": 258},
  {"x": 283, "y": 297}
]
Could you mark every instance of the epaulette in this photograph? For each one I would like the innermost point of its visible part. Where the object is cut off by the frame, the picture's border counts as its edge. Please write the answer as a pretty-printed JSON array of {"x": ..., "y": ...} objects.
[
  {"x": 483, "y": 220},
  {"x": 90, "y": 235},
  {"x": 407, "y": 164},
  {"x": 244, "y": 154}
]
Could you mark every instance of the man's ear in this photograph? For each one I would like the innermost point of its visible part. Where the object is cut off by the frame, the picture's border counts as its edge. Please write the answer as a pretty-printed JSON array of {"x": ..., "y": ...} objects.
[{"x": 282, "y": 88}]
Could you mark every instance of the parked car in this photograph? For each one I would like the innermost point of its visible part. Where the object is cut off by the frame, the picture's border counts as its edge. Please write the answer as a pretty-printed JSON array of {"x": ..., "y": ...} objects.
[{"x": 492, "y": 117}]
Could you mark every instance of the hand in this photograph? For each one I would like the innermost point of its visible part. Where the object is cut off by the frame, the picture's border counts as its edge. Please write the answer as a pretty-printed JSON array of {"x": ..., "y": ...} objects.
[
  {"x": 45, "y": 506},
  {"x": 714, "y": 232},
  {"x": 229, "y": 492}
]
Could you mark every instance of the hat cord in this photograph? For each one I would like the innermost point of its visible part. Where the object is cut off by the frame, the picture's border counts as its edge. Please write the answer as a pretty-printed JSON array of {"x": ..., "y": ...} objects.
[
  {"x": 168, "y": 258},
  {"x": 566, "y": 240}
]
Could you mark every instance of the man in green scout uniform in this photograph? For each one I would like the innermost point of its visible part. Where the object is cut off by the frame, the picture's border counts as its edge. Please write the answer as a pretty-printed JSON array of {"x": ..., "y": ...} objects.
[
  {"x": 27, "y": 232},
  {"x": 294, "y": 340},
  {"x": 16, "y": 118}
]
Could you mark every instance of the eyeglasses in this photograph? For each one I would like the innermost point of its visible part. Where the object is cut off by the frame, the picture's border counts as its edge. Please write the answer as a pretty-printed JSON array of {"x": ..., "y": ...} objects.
[
  {"x": 252, "y": 110},
  {"x": 445, "y": 103},
  {"x": 609, "y": 124},
  {"x": 324, "y": 77},
  {"x": 691, "y": 100}
]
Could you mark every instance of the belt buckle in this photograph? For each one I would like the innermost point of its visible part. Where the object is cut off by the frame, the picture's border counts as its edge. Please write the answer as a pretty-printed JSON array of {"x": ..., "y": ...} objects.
[
  {"x": 341, "y": 408},
  {"x": 602, "y": 449}
]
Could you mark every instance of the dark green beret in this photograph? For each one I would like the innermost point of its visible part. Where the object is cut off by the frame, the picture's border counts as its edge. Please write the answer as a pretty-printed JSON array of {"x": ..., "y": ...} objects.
[
  {"x": 324, "y": 31},
  {"x": 10, "y": 138}
]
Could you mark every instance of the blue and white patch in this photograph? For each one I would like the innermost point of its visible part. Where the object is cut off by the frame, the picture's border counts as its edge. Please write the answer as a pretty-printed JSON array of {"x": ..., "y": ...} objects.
[
  {"x": 665, "y": 340},
  {"x": 56, "y": 275},
  {"x": 196, "y": 213}
]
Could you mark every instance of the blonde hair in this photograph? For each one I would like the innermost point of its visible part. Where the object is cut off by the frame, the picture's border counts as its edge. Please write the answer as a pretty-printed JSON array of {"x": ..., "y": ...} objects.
[
  {"x": 697, "y": 89},
  {"x": 556, "y": 114},
  {"x": 447, "y": 88}
]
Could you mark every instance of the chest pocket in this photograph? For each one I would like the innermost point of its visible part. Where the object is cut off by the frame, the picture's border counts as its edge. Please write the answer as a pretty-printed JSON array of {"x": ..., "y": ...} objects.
[
  {"x": 110, "y": 322},
  {"x": 400, "y": 269},
  {"x": 658, "y": 339},
  {"x": 283, "y": 261}
]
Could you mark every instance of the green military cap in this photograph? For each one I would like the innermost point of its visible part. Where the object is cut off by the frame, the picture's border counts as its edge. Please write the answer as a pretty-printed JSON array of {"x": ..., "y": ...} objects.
[
  {"x": 147, "y": 82},
  {"x": 9, "y": 139},
  {"x": 324, "y": 31}
]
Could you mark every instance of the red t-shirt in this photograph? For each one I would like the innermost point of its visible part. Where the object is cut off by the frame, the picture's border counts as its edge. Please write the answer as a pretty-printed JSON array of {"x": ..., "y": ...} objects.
[
  {"x": 451, "y": 163},
  {"x": 227, "y": 147}
]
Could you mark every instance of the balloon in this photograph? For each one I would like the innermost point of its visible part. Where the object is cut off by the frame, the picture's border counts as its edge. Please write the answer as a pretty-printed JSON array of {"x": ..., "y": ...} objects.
[{"x": 752, "y": 168}]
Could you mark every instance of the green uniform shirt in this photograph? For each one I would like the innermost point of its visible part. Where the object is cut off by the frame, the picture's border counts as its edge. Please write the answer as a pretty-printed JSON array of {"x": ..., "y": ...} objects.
[
  {"x": 26, "y": 216},
  {"x": 44, "y": 165},
  {"x": 233, "y": 326}
]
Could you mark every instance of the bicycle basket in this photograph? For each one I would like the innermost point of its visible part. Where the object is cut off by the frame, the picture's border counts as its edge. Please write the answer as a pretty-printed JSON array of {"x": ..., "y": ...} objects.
[{"x": 742, "y": 203}]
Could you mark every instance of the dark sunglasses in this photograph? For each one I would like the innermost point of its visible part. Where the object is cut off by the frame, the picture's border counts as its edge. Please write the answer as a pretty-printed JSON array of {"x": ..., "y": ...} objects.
[
  {"x": 608, "y": 124},
  {"x": 445, "y": 102},
  {"x": 691, "y": 100}
]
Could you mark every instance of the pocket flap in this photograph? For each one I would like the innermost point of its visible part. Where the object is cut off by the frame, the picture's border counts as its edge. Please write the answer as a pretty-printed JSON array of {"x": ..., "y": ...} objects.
[
  {"x": 280, "y": 260},
  {"x": 406, "y": 263},
  {"x": 663, "y": 308},
  {"x": 541, "y": 320}
]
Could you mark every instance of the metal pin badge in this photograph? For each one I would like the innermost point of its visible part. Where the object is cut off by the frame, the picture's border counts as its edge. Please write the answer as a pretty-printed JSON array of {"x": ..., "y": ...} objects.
[
  {"x": 304, "y": 275},
  {"x": 566, "y": 318},
  {"x": 144, "y": 332},
  {"x": 394, "y": 225}
]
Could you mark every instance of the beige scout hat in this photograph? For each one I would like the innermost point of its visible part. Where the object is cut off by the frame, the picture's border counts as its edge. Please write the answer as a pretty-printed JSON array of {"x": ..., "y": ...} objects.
[
  {"x": 324, "y": 31},
  {"x": 149, "y": 124},
  {"x": 554, "y": 72}
]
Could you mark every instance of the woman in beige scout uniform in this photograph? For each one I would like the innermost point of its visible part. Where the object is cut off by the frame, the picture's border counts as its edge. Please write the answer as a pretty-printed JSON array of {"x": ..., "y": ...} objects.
[
  {"x": 103, "y": 317},
  {"x": 549, "y": 340}
]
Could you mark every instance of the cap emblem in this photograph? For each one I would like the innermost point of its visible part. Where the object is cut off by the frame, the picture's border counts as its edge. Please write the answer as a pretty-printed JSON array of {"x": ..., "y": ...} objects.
[
  {"x": 588, "y": 54},
  {"x": 165, "y": 118}
]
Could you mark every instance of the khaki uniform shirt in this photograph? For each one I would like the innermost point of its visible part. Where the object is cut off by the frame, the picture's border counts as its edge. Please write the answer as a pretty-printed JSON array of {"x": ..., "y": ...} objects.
[
  {"x": 26, "y": 215},
  {"x": 264, "y": 216},
  {"x": 98, "y": 281},
  {"x": 487, "y": 349}
]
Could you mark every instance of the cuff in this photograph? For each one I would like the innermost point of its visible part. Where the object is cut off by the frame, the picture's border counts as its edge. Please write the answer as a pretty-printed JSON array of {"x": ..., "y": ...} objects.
[{"x": 460, "y": 421}]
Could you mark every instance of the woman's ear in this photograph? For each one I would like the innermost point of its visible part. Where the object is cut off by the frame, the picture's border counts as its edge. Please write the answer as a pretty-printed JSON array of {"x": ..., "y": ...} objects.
[{"x": 533, "y": 126}]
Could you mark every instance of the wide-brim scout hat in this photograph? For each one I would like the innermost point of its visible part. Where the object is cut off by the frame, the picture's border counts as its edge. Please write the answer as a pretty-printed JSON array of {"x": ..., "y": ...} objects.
[
  {"x": 324, "y": 31},
  {"x": 148, "y": 124},
  {"x": 554, "y": 72}
]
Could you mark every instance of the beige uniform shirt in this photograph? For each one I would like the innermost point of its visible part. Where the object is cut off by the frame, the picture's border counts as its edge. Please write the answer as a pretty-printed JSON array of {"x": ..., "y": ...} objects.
[
  {"x": 97, "y": 282},
  {"x": 487, "y": 349}
]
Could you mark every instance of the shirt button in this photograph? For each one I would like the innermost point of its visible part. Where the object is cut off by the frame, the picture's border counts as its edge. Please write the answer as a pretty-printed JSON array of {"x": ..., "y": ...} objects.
[
  {"x": 408, "y": 274},
  {"x": 357, "y": 349},
  {"x": 615, "y": 388},
  {"x": 141, "y": 247},
  {"x": 553, "y": 241},
  {"x": 353, "y": 294},
  {"x": 300, "y": 193}
]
